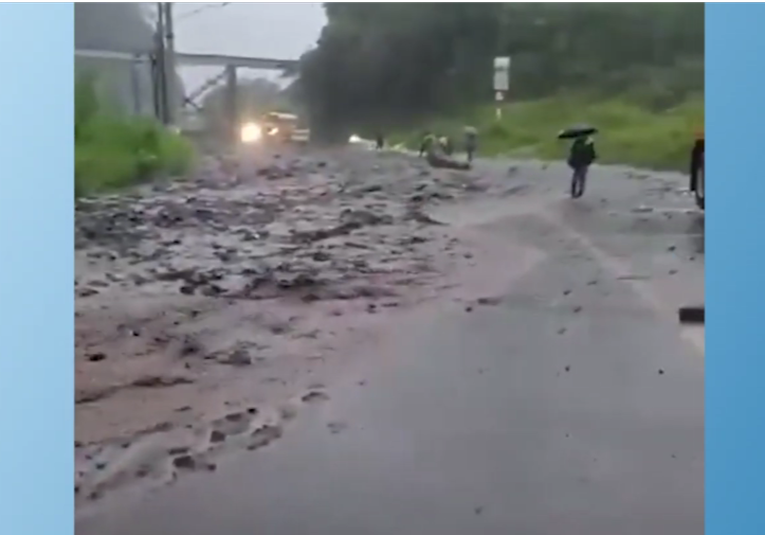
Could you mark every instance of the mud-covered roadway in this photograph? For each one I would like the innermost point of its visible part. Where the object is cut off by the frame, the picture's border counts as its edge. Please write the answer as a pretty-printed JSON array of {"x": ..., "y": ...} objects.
[{"x": 209, "y": 310}]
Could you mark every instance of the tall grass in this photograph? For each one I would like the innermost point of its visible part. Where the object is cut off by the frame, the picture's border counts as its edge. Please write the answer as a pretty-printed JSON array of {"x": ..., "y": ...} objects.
[
  {"x": 114, "y": 151},
  {"x": 630, "y": 132}
]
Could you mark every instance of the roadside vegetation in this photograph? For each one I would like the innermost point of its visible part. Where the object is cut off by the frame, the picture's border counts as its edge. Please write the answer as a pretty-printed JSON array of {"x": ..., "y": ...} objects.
[
  {"x": 635, "y": 71},
  {"x": 631, "y": 133},
  {"x": 114, "y": 150}
]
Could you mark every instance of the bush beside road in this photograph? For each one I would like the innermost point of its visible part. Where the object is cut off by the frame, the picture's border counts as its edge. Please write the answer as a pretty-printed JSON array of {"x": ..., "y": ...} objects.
[
  {"x": 114, "y": 151},
  {"x": 631, "y": 133}
]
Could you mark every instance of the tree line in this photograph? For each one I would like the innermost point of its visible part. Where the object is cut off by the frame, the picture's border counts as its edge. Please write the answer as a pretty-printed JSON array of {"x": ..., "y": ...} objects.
[{"x": 383, "y": 62}]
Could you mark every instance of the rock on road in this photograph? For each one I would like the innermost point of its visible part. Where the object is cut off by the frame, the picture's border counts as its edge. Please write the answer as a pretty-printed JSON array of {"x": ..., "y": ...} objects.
[{"x": 545, "y": 388}]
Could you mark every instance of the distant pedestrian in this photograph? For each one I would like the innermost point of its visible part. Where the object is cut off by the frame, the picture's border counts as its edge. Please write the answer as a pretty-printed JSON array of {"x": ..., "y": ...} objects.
[
  {"x": 580, "y": 158},
  {"x": 428, "y": 142},
  {"x": 446, "y": 145},
  {"x": 471, "y": 142},
  {"x": 380, "y": 141}
]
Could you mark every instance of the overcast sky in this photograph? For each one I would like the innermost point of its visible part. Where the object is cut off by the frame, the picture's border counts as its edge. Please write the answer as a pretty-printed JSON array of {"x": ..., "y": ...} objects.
[{"x": 278, "y": 30}]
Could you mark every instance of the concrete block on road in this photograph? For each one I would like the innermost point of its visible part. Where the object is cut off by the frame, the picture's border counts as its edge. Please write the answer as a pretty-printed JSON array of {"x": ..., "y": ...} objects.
[{"x": 691, "y": 314}]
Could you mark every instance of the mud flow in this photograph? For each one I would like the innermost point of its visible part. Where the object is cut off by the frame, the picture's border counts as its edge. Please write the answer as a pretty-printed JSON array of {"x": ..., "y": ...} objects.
[{"x": 210, "y": 311}]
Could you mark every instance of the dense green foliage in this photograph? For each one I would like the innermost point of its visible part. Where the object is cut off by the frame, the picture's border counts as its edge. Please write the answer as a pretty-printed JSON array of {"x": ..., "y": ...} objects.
[
  {"x": 113, "y": 150},
  {"x": 385, "y": 63},
  {"x": 632, "y": 134}
]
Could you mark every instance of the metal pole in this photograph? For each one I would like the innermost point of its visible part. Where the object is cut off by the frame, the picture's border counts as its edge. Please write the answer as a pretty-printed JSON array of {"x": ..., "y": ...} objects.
[
  {"x": 135, "y": 86},
  {"x": 159, "y": 36},
  {"x": 170, "y": 71},
  {"x": 231, "y": 101},
  {"x": 155, "y": 90}
]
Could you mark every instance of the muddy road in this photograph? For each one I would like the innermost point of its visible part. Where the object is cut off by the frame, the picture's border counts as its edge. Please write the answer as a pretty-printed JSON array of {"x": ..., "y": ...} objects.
[
  {"x": 408, "y": 350},
  {"x": 209, "y": 308}
]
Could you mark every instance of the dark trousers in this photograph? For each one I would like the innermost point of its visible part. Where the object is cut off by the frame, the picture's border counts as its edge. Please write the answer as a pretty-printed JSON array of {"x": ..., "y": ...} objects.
[
  {"x": 579, "y": 180},
  {"x": 470, "y": 149}
]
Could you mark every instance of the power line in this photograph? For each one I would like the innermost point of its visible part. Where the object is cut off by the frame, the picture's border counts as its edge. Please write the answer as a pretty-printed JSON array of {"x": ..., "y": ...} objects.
[{"x": 199, "y": 10}]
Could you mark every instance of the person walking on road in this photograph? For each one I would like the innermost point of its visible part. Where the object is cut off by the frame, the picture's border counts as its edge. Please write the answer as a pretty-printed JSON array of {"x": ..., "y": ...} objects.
[
  {"x": 471, "y": 142},
  {"x": 379, "y": 141},
  {"x": 428, "y": 140},
  {"x": 446, "y": 145},
  {"x": 581, "y": 156}
]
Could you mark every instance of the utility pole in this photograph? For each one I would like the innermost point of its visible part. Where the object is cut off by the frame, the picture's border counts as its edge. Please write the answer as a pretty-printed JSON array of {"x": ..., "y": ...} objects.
[
  {"x": 171, "y": 87},
  {"x": 232, "y": 111},
  {"x": 160, "y": 71}
]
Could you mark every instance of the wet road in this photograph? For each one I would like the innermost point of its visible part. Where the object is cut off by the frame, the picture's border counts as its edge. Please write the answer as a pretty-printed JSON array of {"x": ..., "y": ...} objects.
[{"x": 566, "y": 402}]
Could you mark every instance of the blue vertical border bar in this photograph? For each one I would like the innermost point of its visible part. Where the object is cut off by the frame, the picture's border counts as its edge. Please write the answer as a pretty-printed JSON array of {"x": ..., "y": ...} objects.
[
  {"x": 735, "y": 293},
  {"x": 37, "y": 268}
]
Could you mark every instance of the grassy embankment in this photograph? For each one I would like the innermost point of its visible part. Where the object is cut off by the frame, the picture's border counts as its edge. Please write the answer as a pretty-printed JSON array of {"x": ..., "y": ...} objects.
[
  {"x": 114, "y": 151},
  {"x": 630, "y": 133}
]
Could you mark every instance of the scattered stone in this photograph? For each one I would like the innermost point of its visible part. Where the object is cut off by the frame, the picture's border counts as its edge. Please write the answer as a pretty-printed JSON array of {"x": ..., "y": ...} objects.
[
  {"x": 238, "y": 357},
  {"x": 190, "y": 346},
  {"x": 216, "y": 437},
  {"x": 264, "y": 436},
  {"x": 185, "y": 462},
  {"x": 158, "y": 381},
  {"x": 315, "y": 397},
  {"x": 87, "y": 292},
  {"x": 96, "y": 357}
]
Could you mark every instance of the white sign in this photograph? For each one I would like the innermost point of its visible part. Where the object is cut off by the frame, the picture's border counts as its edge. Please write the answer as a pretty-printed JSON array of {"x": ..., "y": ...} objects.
[
  {"x": 501, "y": 74},
  {"x": 499, "y": 96}
]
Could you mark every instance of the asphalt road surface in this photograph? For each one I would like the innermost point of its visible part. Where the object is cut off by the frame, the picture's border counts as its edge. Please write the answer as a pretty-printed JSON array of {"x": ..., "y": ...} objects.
[{"x": 565, "y": 401}]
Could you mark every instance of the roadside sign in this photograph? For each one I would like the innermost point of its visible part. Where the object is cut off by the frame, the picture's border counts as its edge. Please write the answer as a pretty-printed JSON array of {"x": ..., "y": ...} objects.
[
  {"x": 501, "y": 74},
  {"x": 499, "y": 96}
]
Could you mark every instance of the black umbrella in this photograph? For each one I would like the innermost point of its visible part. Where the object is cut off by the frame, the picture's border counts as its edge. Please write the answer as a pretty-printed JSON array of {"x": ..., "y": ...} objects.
[{"x": 577, "y": 131}]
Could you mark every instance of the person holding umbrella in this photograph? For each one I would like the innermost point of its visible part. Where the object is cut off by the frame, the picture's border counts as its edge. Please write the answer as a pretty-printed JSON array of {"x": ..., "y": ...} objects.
[{"x": 581, "y": 155}]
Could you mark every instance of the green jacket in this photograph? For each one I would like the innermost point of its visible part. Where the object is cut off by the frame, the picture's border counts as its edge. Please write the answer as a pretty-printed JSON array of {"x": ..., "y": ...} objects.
[
  {"x": 428, "y": 143},
  {"x": 582, "y": 152}
]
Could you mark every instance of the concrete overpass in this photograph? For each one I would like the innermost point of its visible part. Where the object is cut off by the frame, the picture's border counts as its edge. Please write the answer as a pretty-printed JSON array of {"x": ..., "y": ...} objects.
[
  {"x": 229, "y": 63},
  {"x": 184, "y": 58}
]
